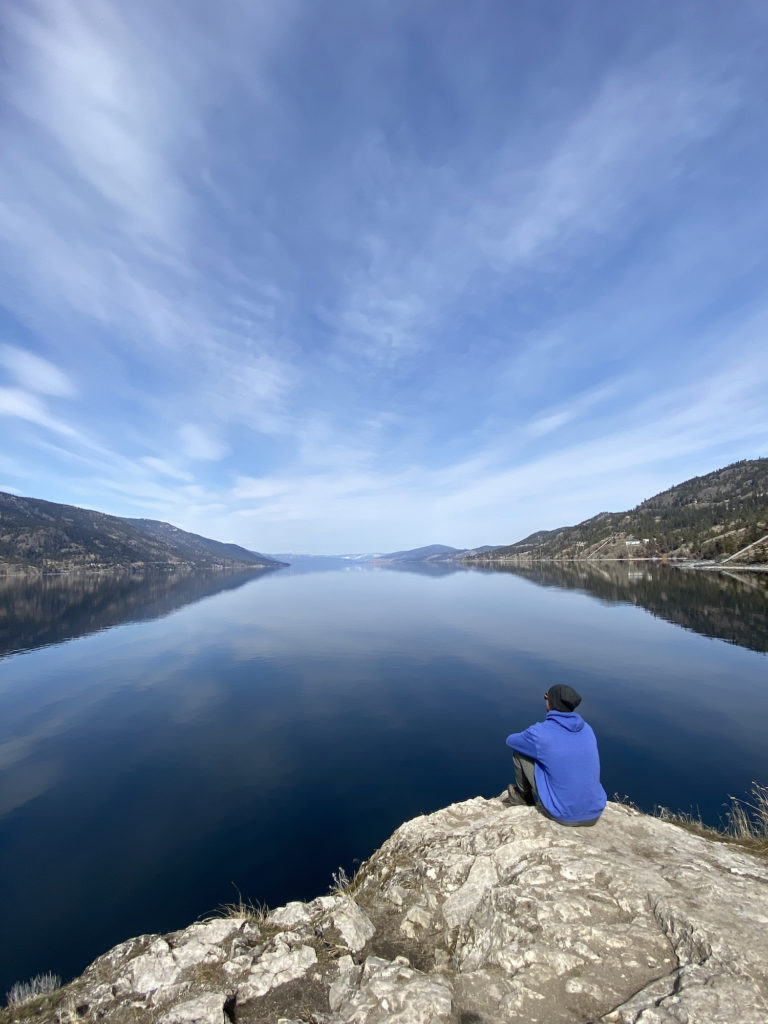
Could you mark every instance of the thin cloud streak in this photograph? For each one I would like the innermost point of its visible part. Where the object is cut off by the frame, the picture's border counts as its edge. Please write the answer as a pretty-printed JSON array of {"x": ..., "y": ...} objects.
[
  {"x": 15, "y": 402},
  {"x": 34, "y": 373}
]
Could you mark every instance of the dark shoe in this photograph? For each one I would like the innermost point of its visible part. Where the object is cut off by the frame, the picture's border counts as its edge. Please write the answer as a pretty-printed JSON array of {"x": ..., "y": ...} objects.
[{"x": 516, "y": 798}]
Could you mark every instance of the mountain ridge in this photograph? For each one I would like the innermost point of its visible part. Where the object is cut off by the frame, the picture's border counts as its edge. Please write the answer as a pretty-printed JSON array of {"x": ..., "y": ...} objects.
[
  {"x": 45, "y": 536},
  {"x": 713, "y": 517},
  {"x": 429, "y": 553}
]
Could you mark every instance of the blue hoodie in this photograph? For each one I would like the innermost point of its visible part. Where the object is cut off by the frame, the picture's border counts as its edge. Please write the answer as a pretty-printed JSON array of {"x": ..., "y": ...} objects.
[{"x": 567, "y": 768}]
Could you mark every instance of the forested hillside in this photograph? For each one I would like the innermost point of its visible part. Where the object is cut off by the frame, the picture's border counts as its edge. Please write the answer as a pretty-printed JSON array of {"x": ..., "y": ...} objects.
[
  {"x": 43, "y": 536},
  {"x": 707, "y": 517}
]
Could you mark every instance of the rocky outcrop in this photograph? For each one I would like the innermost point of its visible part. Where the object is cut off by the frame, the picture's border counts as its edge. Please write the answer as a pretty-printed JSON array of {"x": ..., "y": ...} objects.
[{"x": 479, "y": 913}]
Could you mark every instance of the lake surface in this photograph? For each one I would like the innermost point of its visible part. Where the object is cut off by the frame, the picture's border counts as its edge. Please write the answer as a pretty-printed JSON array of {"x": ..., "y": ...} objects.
[{"x": 165, "y": 739}]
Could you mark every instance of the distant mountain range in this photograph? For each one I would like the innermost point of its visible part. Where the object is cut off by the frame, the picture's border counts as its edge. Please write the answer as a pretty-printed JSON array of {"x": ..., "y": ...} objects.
[
  {"x": 430, "y": 553},
  {"x": 43, "y": 536},
  {"x": 707, "y": 518}
]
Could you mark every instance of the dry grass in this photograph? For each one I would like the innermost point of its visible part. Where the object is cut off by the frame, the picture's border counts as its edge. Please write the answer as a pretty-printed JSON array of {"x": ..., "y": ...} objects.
[
  {"x": 342, "y": 883},
  {"x": 745, "y": 823},
  {"x": 255, "y": 913},
  {"x": 749, "y": 820},
  {"x": 22, "y": 991}
]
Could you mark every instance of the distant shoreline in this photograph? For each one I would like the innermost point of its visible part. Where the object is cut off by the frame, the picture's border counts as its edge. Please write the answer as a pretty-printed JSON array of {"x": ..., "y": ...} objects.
[
  {"x": 103, "y": 570},
  {"x": 687, "y": 564}
]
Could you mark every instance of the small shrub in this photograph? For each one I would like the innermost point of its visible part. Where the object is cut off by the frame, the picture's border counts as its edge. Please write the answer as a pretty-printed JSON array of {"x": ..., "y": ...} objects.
[{"x": 41, "y": 984}]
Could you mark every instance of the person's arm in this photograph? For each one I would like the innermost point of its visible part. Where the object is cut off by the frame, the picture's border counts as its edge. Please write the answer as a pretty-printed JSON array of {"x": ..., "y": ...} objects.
[{"x": 524, "y": 742}]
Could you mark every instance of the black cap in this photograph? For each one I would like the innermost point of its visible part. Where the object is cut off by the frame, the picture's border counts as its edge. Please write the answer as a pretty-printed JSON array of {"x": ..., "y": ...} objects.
[{"x": 563, "y": 698}]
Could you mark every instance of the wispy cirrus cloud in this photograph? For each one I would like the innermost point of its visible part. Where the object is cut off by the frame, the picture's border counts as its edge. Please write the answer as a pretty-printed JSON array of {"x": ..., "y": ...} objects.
[
  {"x": 15, "y": 402},
  {"x": 90, "y": 90},
  {"x": 35, "y": 373},
  {"x": 165, "y": 468},
  {"x": 380, "y": 271},
  {"x": 196, "y": 443},
  {"x": 439, "y": 235},
  {"x": 619, "y": 152},
  {"x": 578, "y": 405},
  {"x": 104, "y": 195}
]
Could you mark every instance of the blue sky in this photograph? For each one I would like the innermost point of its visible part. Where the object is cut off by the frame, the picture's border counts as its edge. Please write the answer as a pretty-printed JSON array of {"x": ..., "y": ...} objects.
[{"x": 361, "y": 275}]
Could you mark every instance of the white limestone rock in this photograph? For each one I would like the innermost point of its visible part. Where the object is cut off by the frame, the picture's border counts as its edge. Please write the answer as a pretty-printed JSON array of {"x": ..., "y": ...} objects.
[
  {"x": 207, "y": 1009},
  {"x": 152, "y": 971},
  {"x": 352, "y": 923},
  {"x": 277, "y": 967},
  {"x": 461, "y": 904},
  {"x": 291, "y": 915},
  {"x": 392, "y": 992},
  {"x": 549, "y": 924},
  {"x": 480, "y": 912}
]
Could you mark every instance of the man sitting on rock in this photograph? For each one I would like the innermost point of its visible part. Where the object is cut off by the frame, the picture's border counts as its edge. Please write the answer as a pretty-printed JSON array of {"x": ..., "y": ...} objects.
[{"x": 556, "y": 763}]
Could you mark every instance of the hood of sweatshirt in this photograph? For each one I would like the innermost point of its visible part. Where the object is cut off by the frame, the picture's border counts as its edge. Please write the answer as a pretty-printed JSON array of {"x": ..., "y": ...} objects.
[{"x": 569, "y": 720}]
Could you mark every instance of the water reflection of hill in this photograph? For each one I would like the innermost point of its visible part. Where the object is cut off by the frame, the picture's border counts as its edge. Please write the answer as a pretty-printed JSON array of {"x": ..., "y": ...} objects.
[
  {"x": 45, "y": 610},
  {"x": 422, "y": 568},
  {"x": 714, "y": 604}
]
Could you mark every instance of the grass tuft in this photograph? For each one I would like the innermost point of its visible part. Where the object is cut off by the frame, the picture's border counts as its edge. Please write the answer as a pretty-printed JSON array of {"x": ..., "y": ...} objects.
[
  {"x": 745, "y": 824},
  {"x": 343, "y": 884},
  {"x": 749, "y": 821},
  {"x": 255, "y": 913},
  {"x": 22, "y": 991},
  {"x": 341, "y": 881}
]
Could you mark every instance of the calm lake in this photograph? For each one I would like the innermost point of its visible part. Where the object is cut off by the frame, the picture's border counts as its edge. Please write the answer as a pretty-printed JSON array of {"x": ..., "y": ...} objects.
[{"x": 166, "y": 741}]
